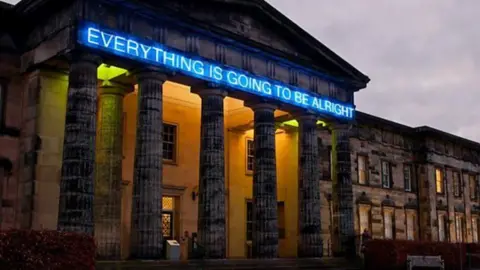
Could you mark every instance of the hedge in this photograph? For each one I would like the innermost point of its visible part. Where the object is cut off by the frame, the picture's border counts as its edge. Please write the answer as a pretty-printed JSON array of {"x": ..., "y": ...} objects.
[
  {"x": 392, "y": 254},
  {"x": 52, "y": 250}
]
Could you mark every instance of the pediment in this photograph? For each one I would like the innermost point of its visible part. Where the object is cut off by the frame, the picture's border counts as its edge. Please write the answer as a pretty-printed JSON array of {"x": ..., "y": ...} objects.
[{"x": 258, "y": 24}]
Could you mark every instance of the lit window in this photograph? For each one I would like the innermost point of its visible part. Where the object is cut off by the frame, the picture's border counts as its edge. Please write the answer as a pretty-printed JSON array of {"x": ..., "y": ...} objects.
[
  {"x": 459, "y": 228},
  {"x": 364, "y": 215},
  {"x": 169, "y": 142},
  {"x": 439, "y": 180},
  {"x": 473, "y": 187},
  {"x": 475, "y": 229},
  {"x": 250, "y": 155},
  {"x": 362, "y": 170},
  {"x": 441, "y": 227},
  {"x": 410, "y": 227},
  {"x": 457, "y": 184},
  {"x": 407, "y": 177},
  {"x": 386, "y": 176},
  {"x": 388, "y": 224}
]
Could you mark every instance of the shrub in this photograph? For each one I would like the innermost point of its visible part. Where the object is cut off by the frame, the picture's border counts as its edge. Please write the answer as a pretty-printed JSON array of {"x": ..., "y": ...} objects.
[
  {"x": 52, "y": 250},
  {"x": 392, "y": 254}
]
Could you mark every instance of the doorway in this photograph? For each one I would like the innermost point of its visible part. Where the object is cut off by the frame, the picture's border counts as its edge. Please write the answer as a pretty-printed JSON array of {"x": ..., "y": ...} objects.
[{"x": 168, "y": 209}]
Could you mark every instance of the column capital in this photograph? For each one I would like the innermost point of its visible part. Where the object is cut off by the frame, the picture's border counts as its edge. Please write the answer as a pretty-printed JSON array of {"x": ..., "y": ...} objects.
[
  {"x": 151, "y": 73},
  {"x": 306, "y": 117},
  {"x": 261, "y": 106},
  {"x": 112, "y": 88},
  {"x": 81, "y": 56}
]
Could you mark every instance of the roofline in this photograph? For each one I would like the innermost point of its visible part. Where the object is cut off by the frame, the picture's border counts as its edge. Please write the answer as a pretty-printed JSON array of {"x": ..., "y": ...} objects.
[
  {"x": 330, "y": 54},
  {"x": 421, "y": 130}
]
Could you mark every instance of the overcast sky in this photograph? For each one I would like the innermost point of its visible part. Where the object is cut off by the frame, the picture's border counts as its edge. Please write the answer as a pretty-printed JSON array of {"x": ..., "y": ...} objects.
[{"x": 422, "y": 56}]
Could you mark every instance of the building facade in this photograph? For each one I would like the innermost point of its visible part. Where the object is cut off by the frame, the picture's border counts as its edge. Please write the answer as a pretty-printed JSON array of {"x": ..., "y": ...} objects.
[{"x": 140, "y": 121}]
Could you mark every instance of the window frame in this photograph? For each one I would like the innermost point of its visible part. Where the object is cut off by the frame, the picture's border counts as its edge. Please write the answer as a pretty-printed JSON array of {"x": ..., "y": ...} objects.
[
  {"x": 368, "y": 210},
  {"x": 389, "y": 174},
  {"x": 175, "y": 150},
  {"x": 409, "y": 215},
  {"x": 475, "y": 231},
  {"x": 391, "y": 213},
  {"x": 442, "y": 179},
  {"x": 459, "y": 228},
  {"x": 442, "y": 217},
  {"x": 457, "y": 183},
  {"x": 365, "y": 170},
  {"x": 473, "y": 195},
  {"x": 410, "y": 171},
  {"x": 247, "y": 156}
]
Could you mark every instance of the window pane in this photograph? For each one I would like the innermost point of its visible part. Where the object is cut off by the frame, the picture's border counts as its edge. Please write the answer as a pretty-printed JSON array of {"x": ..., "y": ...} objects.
[
  {"x": 362, "y": 170},
  {"x": 388, "y": 225},
  {"x": 410, "y": 230},
  {"x": 407, "y": 177},
  {"x": 441, "y": 228},
  {"x": 475, "y": 229},
  {"x": 364, "y": 219},
  {"x": 439, "y": 180}
]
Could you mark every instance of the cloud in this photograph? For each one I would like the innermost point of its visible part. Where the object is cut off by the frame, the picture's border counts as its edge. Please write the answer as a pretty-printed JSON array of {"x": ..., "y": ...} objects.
[{"x": 423, "y": 56}]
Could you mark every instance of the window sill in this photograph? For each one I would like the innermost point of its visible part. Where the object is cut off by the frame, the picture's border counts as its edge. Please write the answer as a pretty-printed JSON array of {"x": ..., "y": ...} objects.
[{"x": 170, "y": 162}]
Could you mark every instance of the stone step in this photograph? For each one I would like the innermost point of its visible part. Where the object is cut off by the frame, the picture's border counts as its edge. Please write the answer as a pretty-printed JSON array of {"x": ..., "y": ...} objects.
[{"x": 243, "y": 264}]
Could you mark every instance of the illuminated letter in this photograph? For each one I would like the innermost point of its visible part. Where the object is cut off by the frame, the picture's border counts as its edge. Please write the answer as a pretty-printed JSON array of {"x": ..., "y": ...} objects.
[
  {"x": 328, "y": 106},
  {"x": 132, "y": 46},
  {"x": 286, "y": 93},
  {"x": 119, "y": 44},
  {"x": 316, "y": 102},
  {"x": 232, "y": 77},
  {"x": 157, "y": 54},
  {"x": 185, "y": 64},
  {"x": 245, "y": 80},
  {"x": 108, "y": 40},
  {"x": 278, "y": 88},
  {"x": 267, "y": 88},
  {"x": 305, "y": 99},
  {"x": 217, "y": 73},
  {"x": 198, "y": 67},
  {"x": 169, "y": 57},
  {"x": 93, "y": 36},
  {"x": 145, "y": 50},
  {"x": 298, "y": 97}
]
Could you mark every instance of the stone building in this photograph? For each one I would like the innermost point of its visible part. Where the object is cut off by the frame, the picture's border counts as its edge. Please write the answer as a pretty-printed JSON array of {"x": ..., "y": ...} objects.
[{"x": 140, "y": 121}]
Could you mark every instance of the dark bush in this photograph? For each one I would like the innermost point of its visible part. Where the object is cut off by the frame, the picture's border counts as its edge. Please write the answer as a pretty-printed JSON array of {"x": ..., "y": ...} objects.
[
  {"x": 392, "y": 254},
  {"x": 49, "y": 250}
]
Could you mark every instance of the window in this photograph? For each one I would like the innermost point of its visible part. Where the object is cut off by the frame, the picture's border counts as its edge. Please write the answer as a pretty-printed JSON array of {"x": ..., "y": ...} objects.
[
  {"x": 280, "y": 215},
  {"x": 410, "y": 226},
  {"x": 388, "y": 224},
  {"x": 459, "y": 228},
  {"x": 457, "y": 184},
  {"x": 168, "y": 207},
  {"x": 2, "y": 104},
  {"x": 473, "y": 186},
  {"x": 362, "y": 170},
  {"x": 386, "y": 176},
  {"x": 169, "y": 142},
  {"x": 442, "y": 229},
  {"x": 439, "y": 181},
  {"x": 407, "y": 177},
  {"x": 364, "y": 216},
  {"x": 475, "y": 229},
  {"x": 250, "y": 155}
]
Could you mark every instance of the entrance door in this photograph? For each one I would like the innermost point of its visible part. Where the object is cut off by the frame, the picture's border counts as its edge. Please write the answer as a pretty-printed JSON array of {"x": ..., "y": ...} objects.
[{"x": 167, "y": 225}]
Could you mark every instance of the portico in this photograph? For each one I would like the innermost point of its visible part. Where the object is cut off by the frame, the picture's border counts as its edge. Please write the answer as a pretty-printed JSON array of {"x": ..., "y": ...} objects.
[{"x": 223, "y": 87}]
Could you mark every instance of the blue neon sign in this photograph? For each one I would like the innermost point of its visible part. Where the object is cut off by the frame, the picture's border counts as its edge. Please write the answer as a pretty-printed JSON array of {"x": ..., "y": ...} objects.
[{"x": 153, "y": 53}]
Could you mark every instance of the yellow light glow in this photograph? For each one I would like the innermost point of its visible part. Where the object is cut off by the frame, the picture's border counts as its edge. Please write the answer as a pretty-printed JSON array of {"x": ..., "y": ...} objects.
[
  {"x": 107, "y": 72},
  {"x": 294, "y": 123}
]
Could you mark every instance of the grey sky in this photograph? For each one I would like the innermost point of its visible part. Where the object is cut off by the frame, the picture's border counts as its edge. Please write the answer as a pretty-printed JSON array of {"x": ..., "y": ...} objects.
[{"x": 423, "y": 56}]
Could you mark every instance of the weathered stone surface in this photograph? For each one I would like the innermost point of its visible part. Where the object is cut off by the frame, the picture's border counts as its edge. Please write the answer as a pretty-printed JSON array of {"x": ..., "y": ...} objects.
[
  {"x": 265, "y": 220},
  {"x": 211, "y": 199},
  {"x": 108, "y": 175},
  {"x": 78, "y": 166},
  {"x": 309, "y": 223},
  {"x": 342, "y": 193},
  {"x": 146, "y": 235}
]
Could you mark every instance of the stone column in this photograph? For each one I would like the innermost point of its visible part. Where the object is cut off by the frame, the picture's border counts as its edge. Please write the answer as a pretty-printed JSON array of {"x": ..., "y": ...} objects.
[
  {"x": 108, "y": 175},
  {"x": 265, "y": 220},
  {"x": 342, "y": 193},
  {"x": 146, "y": 234},
  {"x": 78, "y": 166},
  {"x": 211, "y": 199},
  {"x": 310, "y": 242}
]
